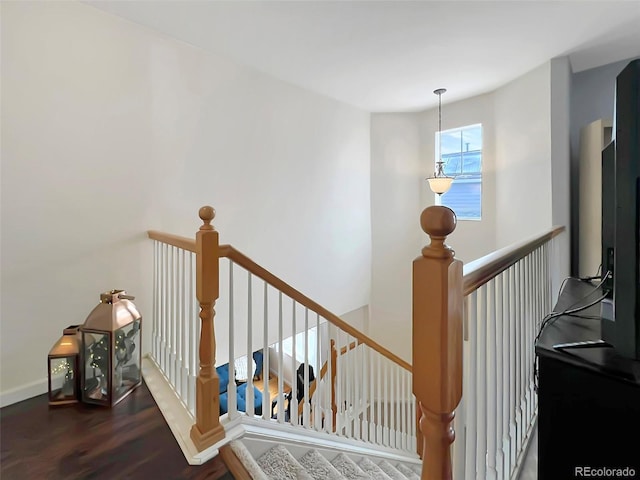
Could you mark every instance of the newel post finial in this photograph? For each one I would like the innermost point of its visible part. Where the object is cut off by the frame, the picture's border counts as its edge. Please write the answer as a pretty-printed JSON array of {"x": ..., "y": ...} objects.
[
  {"x": 438, "y": 222},
  {"x": 206, "y": 214},
  {"x": 437, "y": 341}
]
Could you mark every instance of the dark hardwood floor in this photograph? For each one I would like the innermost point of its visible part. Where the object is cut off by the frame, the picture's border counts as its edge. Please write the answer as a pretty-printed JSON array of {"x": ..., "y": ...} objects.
[{"x": 128, "y": 441}]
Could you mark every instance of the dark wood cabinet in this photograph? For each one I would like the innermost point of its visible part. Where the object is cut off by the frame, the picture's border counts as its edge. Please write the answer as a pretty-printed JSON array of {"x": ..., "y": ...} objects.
[{"x": 588, "y": 397}]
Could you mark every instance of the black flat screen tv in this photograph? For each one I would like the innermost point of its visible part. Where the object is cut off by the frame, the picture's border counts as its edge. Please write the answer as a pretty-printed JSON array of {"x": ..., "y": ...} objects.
[{"x": 621, "y": 219}]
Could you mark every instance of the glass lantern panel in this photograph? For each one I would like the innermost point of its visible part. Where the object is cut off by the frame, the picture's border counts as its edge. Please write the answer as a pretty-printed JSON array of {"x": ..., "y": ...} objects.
[
  {"x": 126, "y": 359},
  {"x": 61, "y": 372},
  {"x": 96, "y": 366}
]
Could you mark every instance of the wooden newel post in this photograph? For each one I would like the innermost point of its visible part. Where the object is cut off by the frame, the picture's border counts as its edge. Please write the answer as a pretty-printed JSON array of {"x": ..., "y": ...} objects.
[
  {"x": 207, "y": 429},
  {"x": 437, "y": 341}
]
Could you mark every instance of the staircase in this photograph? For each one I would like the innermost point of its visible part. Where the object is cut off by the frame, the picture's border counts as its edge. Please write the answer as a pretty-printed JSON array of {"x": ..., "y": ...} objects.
[
  {"x": 267, "y": 461},
  {"x": 360, "y": 411}
]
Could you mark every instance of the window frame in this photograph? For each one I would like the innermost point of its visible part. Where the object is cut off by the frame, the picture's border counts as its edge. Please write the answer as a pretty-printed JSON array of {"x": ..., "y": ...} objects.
[{"x": 461, "y": 153}]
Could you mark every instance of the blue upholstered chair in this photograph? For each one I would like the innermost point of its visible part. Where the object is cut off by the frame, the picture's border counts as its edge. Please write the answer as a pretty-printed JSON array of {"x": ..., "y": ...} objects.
[{"x": 241, "y": 393}]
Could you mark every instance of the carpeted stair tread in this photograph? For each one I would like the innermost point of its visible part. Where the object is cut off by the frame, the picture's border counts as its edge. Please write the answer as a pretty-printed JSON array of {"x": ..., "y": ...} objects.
[
  {"x": 247, "y": 460},
  {"x": 319, "y": 467},
  {"x": 278, "y": 464},
  {"x": 391, "y": 471},
  {"x": 373, "y": 470},
  {"x": 407, "y": 472},
  {"x": 348, "y": 468}
]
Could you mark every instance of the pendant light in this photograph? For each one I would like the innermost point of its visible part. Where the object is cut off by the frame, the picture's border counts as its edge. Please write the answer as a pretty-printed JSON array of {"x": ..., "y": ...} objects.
[{"x": 439, "y": 182}]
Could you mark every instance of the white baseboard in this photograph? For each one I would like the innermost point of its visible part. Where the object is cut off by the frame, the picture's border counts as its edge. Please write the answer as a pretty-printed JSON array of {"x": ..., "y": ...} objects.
[{"x": 23, "y": 392}]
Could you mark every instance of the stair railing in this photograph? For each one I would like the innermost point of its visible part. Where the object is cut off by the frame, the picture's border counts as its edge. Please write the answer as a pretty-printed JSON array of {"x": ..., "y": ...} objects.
[
  {"x": 474, "y": 331},
  {"x": 366, "y": 391},
  {"x": 186, "y": 271},
  {"x": 356, "y": 388}
]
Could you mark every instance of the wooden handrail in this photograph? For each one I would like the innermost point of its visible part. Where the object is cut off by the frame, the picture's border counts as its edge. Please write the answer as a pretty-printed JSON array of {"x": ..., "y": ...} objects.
[
  {"x": 231, "y": 253},
  {"x": 484, "y": 269},
  {"x": 173, "y": 240}
]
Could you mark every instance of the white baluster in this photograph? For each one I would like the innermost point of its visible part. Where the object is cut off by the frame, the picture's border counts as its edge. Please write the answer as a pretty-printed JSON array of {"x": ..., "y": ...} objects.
[
  {"x": 392, "y": 405},
  {"x": 305, "y": 406},
  {"x": 366, "y": 391},
  {"x": 293, "y": 407},
  {"x": 404, "y": 417},
  {"x": 328, "y": 419},
  {"x": 154, "y": 338},
  {"x": 527, "y": 344},
  {"x": 471, "y": 398},
  {"x": 232, "y": 405},
  {"x": 379, "y": 408},
  {"x": 459, "y": 425},
  {"x": 172, "y": 318},
  {"x": 386, "y": 412},
  {"x": 501, "y": 380},
  {"x": 355, "y": 390},
  {"x": 414, "y": 422},
  {"x": 180, "y": 324},
  {"x": 481, "y": 388},
  {"x": 280, "y": 415},
  {"x": 372, "y": 396},
  {"x": 163, "y": 309},
  {"x": 350, "y": 404},
  {"x": 506, "y": 348},
  {"x": 193, "y": 321},
  {"x": 317, "y": 397},
  {"x": 266, "y": 394},
  {"x": 250, "y": 400},
  {"x": 492, "y": 380},
  {"x": 342, "y": 383},
  {"x": 513, "y": 380},
  {"x": 521, "y": 343}
]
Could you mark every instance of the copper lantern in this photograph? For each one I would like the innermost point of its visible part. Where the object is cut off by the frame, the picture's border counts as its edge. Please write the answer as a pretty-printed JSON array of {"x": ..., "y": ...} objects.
[
  {"x": 64, "y": 367},
  {"x": 111, "y": 349}
]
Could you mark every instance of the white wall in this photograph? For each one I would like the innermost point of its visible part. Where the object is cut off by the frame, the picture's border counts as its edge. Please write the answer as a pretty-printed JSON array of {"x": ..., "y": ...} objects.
[
  {"x": 110, "y": 129},
  {"x": 397, "y": 179},
  {"x": 523, "y": 157}
]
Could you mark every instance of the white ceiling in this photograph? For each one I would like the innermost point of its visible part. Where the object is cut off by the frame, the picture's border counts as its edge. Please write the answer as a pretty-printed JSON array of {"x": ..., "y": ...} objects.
[{"x": 390, "y": 55}]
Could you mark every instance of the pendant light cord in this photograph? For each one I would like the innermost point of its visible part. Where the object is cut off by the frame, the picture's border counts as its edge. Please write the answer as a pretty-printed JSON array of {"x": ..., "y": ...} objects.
[{"x": 439, "y": 171}]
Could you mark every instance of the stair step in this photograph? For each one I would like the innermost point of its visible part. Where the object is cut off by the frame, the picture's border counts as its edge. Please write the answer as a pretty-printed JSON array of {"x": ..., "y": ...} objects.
[
  {"x": 407, "y": 472},
  {"x": 391, "y": 471},
  {"x": 349, "y": 468},
  {"x": 278, "y": 464},
  {"x": 319, "y": 467},
  {"x": 373, "y": 470},
  {"x": 245, "y": 457}
]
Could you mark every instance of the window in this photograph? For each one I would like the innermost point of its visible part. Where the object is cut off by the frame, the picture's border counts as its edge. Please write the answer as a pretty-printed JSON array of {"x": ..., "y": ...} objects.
[{"x": 462, "y": 157}]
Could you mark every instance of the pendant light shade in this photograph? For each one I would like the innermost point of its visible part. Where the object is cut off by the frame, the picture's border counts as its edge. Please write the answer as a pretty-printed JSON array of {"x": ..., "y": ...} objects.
[{"x": 440, "y": 183}]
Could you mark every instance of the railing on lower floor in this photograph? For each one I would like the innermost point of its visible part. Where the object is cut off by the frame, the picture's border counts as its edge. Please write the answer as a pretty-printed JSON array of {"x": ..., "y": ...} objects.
[
  {"x": 351, "y": 386},
  {"x": 482, "y": 323}
]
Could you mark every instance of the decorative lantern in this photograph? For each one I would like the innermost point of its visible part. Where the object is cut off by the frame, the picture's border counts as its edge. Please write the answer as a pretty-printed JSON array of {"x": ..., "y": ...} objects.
[
  {"x": 111, "y": 349},
  {"x": 64, "y": 368}
]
